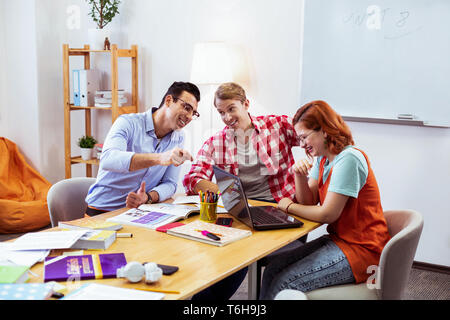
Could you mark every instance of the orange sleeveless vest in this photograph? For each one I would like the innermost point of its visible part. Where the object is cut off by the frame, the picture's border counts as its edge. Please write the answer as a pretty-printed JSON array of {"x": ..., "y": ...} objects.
[{"x": 361, "y": 231}]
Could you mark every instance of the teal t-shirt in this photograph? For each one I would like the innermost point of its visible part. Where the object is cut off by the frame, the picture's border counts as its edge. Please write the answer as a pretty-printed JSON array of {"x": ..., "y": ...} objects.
[{"x": 350, "y": 172}]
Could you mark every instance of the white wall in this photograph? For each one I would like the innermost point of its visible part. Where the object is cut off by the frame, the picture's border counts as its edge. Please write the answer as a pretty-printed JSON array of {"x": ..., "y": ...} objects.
[
  {"x": 411, "y": 163},
  {"x": 19, "y": 118}
]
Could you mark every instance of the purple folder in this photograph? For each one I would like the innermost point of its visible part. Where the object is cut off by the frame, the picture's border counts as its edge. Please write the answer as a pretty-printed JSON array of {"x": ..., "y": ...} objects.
[{"x": 85, "y": 267}]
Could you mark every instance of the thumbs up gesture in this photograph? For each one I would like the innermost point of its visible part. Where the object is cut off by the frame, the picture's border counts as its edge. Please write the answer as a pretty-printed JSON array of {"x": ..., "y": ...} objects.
[{"x": 135, "y": 199}]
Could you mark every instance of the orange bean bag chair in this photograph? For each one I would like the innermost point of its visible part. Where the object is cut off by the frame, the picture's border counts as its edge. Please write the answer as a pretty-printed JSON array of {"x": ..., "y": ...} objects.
[{"x": 23, "y": 192}]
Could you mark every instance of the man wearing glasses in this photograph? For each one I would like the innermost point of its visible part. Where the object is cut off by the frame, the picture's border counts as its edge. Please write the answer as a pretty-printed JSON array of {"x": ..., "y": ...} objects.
[{"x": 142, "y": 153}]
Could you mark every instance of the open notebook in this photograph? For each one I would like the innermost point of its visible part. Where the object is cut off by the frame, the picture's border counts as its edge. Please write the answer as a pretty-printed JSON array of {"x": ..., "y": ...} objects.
[{"x": 152, "y": 216}]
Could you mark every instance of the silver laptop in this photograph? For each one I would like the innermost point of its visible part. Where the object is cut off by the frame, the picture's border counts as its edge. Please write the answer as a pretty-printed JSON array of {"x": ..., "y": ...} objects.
[{"x": 235, "y": 202}]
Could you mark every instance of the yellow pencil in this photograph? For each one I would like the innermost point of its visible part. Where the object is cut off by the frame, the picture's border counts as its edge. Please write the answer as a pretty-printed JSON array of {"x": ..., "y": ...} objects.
[
  {"x": 159, "y": 290},
  {"x": 216, "y": 234}
]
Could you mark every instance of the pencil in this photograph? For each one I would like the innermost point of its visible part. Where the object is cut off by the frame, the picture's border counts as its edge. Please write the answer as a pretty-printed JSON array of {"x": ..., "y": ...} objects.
[{"x": 159, "y": 290}]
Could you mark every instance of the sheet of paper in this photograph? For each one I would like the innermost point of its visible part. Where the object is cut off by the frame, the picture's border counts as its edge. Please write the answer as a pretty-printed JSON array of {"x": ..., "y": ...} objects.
[
  {"x": 22, "y": 257},
  {"x": 96, "y": 291},
  {"x": 181, "y": 199},
  {"x": 47, "y": 240}
]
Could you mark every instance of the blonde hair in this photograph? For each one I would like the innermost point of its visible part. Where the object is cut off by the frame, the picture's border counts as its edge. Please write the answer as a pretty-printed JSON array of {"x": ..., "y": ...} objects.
[{"x": 230, "y": 90}]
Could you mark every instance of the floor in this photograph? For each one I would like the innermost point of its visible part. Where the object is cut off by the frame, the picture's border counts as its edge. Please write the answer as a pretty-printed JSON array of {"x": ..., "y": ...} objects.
[{"x": 422, "y": 285}]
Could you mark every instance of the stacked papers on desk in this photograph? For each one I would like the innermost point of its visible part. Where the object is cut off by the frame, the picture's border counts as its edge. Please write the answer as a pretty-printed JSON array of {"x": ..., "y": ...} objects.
[
  {"x": 47, "y": 240},
  {"x": 8, "y": 256}
]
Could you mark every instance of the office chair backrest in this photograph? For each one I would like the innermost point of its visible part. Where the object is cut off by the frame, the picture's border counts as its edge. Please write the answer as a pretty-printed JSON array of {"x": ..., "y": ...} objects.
[
  {"x": 66, "y": 199},
  {"x": 405, "y": 228}
]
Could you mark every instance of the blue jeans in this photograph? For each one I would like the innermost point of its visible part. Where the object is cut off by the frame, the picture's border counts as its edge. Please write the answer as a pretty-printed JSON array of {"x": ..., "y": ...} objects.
[{"x": 316, "y": 264}]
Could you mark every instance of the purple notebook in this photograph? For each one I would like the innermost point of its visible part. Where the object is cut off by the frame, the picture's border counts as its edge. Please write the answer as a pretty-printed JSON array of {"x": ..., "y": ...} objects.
[{"x": 85, "y": 267}]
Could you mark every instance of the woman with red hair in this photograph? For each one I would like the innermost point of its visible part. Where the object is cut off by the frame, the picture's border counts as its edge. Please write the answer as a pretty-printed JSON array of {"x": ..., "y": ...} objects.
[{"x": 342, "y": 182}]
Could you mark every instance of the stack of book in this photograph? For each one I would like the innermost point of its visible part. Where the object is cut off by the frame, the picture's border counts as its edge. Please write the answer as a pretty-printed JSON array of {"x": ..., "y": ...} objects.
[
  {"x": 100, "y": 234},
  {"x": 103, "y": 98}
]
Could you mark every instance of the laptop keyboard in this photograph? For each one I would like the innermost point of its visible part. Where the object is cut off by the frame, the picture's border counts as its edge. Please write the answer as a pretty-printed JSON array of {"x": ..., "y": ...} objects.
[{"x": 261, "y": 217}]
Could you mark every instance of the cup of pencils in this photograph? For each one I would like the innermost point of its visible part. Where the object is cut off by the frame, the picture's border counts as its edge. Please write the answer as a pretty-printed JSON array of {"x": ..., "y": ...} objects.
[{"x": 208, "y": 206}]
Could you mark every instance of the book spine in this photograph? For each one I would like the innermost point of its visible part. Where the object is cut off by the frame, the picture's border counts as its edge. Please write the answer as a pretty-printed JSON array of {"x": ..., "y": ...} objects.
[{"x": 98, "y": 271}]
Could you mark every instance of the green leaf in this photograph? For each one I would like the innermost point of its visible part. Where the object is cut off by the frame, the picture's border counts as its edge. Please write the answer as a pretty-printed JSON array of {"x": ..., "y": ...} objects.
[
  {"x": 103, "y": 11},
  {"x": 86, "y": 142}
]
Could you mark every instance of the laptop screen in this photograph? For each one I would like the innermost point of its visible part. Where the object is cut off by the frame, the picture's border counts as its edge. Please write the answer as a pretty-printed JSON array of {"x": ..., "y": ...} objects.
[{"x": 233, "y": 196}]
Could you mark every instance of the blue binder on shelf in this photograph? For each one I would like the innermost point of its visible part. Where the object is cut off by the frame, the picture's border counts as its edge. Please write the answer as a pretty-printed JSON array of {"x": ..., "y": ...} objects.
[
  {"x": 85, "y": 83},
  {"x": 76, "y": 87}
]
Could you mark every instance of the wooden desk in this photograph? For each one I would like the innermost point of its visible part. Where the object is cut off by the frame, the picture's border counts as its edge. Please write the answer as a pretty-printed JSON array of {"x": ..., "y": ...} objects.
[{"x": 200, "y": 265}]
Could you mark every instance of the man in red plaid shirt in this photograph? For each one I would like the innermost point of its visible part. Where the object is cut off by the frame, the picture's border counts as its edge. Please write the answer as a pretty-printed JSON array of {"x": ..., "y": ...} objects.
[{"x": 257, "y": 149}]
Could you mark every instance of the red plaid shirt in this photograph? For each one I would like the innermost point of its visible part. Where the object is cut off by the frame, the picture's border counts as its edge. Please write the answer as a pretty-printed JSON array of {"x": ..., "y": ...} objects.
[{"x": 274, "y": 136}]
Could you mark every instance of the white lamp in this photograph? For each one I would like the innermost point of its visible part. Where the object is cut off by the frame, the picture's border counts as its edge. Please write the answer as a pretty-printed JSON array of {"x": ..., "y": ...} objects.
[
  {"x": 211, "y": 63},
  {"x": 210, "y": 67}
]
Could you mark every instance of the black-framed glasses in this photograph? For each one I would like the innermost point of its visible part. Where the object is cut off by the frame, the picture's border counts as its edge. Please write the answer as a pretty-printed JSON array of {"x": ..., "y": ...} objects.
[
  {"x": 301, "y": 139},
  {"x": 189, "y": 109}
]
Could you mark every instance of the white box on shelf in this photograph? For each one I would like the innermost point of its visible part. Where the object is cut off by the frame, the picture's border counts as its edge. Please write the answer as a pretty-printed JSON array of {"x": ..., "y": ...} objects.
[{"x": 89, "y": 83}]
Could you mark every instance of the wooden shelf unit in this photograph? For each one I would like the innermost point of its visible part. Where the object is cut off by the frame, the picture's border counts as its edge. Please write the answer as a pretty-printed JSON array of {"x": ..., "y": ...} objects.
[{"x": 116, "y": 111}]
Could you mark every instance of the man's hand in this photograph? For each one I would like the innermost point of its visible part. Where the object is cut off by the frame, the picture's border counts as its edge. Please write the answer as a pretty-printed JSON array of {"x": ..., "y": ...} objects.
[
  {"x": 135, "y": 199},
  {"x": 176, "y": 156},
  {"x": 284, "y": 203}
]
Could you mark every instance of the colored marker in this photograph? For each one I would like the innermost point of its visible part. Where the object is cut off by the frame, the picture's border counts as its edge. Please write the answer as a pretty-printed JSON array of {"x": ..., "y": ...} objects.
[{"x": 210, "y": 235}]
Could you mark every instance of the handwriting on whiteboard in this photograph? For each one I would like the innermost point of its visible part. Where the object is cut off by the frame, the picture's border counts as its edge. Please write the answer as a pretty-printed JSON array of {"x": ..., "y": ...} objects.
[{"x": 396, "y": 23}]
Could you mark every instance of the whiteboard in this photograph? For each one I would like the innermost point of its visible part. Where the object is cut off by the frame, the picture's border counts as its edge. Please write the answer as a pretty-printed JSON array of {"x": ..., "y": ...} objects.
[{"x": 378, "y": 59}]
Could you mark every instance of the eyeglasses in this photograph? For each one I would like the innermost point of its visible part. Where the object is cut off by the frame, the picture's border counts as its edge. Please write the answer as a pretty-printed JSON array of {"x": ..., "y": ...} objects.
[
  {"x": 189, "y": 109},
  {"x": 301, "y": 139}
]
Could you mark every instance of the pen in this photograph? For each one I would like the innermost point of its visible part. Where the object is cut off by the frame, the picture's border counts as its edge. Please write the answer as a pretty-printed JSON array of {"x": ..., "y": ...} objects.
[{"x": 124, "y": 235}]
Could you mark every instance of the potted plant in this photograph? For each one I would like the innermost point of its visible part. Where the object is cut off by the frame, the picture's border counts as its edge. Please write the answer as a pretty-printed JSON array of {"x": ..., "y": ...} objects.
[
  {"x": 86, "y": 144},
  {"x": 102, "y": 12}
]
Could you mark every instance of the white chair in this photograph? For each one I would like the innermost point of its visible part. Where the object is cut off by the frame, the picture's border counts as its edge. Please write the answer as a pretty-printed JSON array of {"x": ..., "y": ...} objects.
[
  {"x": 65, "y": 199},
  {"x": 405, "y": 228}
]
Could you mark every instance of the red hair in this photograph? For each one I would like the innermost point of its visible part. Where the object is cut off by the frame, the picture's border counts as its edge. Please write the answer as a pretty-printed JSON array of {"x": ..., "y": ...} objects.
[{"x": 318, "y": 115}]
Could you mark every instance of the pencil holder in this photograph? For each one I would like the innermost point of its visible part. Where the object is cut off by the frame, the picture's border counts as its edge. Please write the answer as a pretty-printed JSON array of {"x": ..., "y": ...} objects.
[{"x": 208, "y": 211}]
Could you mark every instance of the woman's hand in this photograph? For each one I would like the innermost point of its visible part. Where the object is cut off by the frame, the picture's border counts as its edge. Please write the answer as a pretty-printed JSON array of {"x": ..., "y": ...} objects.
[
  {"x": 284, "y": 203},
  {"x": 301, "y": 168}
]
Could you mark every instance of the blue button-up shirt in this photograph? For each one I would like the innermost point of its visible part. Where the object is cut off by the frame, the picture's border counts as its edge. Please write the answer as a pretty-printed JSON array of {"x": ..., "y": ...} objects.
[{"x": 130, "y": 134}]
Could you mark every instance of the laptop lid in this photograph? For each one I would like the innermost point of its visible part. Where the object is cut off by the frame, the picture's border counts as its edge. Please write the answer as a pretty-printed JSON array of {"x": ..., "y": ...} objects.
[
  {"x": 233, "y": 196},
  {"x": 235, "y": 202}
]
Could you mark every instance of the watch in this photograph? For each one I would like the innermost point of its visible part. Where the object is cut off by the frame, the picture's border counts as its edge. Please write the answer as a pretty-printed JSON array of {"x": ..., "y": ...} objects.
[{"x": 149, "y": 201}]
